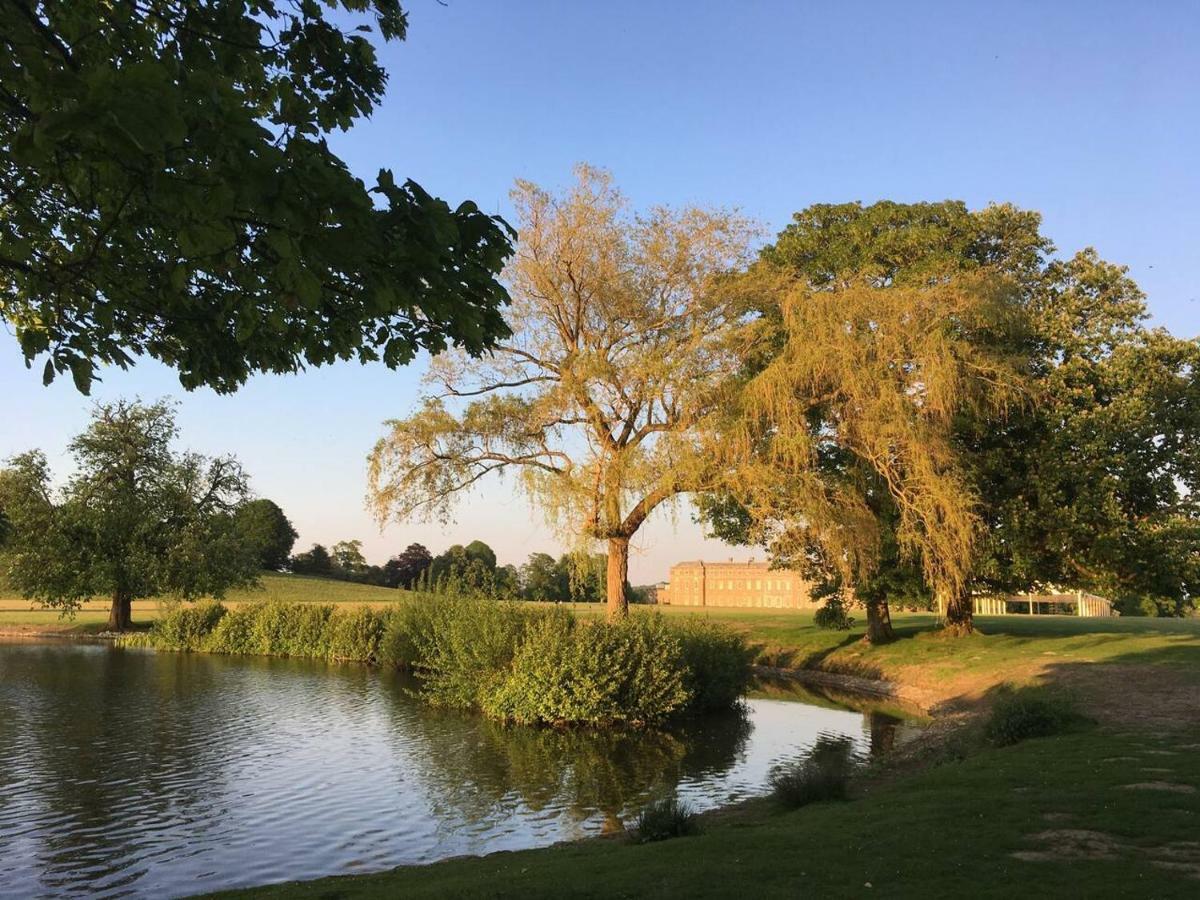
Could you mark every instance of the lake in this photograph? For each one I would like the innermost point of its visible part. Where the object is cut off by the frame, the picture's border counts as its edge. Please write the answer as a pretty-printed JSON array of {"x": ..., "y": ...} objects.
[{"x": 133, "y": 773}]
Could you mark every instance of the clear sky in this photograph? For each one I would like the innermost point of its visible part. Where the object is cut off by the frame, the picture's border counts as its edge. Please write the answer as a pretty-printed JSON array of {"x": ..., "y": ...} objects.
[{"x": 1087, "y": 111}]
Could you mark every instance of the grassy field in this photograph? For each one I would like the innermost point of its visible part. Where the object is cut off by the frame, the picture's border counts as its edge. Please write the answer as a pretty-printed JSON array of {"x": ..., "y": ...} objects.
[
  {"x": 1093, "y": 814},
  {"x": 19, "y": 614}
]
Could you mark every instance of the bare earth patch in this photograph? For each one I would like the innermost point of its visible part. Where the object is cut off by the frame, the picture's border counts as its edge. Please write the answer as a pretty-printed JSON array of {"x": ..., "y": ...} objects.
[
  {"x": 1071, "y": 843},
  {"x": 1169, "y": 786},
  {"x": 1057, "y": 816},
  {"x": 1067, "y": 844},
  {"x": 1144, "y": 697}
]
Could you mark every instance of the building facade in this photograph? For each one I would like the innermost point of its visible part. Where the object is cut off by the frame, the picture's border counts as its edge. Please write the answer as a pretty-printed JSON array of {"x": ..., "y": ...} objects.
[{"x": 742, "y": 584}]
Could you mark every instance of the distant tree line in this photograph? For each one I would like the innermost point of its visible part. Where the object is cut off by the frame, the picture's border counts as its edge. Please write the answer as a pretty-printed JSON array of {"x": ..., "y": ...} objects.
[{"x": 466, "y": 569}]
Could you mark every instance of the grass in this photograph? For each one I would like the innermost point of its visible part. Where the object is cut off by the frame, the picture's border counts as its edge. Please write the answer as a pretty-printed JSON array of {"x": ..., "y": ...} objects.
[
  {"x": 1051, "y": 817},
  {"x": 19, "y": 614}
]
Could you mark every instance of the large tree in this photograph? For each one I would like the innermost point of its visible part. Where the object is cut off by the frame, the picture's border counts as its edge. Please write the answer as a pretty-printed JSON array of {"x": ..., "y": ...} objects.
[
  {"x": 1095, "y": 486},
  {"x": 845, "y": 441},
  {"x": 543, "y": 579},
  {"x": 618, "y": 354},
  {"x": 136, "y": 519},
  {"x": 262, "y": 523},
  {"x": 1091, "y": 484},
  {"x": 168, "y": 190}
]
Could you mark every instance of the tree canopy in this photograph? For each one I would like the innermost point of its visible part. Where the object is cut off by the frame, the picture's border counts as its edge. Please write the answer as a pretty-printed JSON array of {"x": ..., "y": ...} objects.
[
  {"x": 169, "y": 191},
  {"x": 618, "y": 353},
  {"x": 136, "y": 519},
  {"x": 405, "y": 569},
  {"x": 1089, "y": 485},
  {"x": 262, "y": 523}
]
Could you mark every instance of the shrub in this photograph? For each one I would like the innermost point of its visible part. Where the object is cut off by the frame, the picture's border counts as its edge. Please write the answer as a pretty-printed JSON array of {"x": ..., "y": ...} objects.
[
  {"x": 462, "y": 646},
  {"x": 834, "y": 614},
  {"x": 514, "y": 663},
  {"x": 823, "y": 775},
  {"x": 665, "y": 819},
  {"x": 353, "y": 635},
  {"x": 717, "y": 662},
  {"x": 186, "y": 627},
  {"x": 234, "y": 633},
  {"x": 592, "y": 673},
  {"x": 1029, "y": 713}
]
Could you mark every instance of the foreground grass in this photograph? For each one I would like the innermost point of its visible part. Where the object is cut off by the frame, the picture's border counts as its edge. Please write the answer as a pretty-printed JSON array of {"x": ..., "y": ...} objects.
[{"x": 1061, "y": 816}]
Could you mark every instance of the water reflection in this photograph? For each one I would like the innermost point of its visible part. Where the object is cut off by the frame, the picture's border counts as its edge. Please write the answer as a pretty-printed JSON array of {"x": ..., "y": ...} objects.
[{"x": 128, "y": 772}]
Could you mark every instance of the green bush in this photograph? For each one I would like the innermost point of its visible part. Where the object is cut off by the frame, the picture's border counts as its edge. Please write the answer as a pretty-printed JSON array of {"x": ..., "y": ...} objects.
[
  {"x": 185, "y": 627},
  {"x": 823, "y": 775},
  {"x": 519, "y": 664},
  {"x": 592, "y": 673},
  {"x": 462, "y": 646},
  {"x": 1018, "y": 715},
  {"x": 354, "y": 635},
  {"x": 834, "y": 614},
  {"x": 663, "y": 820},
  {"x": 717, "y": 662},
  {"x": 234, "y": 633}
]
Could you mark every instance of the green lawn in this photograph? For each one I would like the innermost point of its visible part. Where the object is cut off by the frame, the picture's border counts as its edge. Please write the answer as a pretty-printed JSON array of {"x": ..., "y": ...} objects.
[
  {"x": 16, "y": 613},
  {"x": 1053, "y": 817}
]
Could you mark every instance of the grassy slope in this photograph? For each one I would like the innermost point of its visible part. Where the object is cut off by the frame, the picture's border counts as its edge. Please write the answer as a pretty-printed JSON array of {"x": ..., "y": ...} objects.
[{"x": 950, "y": 831}]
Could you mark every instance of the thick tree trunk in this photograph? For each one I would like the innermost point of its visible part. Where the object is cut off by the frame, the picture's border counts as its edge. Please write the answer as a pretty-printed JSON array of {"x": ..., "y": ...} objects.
[
  {"x": 618, "y": 574},
  {"x": 879, "y": 623},
  {"x": 120, "y": 614},
  {"x": 957, "y": 613}
]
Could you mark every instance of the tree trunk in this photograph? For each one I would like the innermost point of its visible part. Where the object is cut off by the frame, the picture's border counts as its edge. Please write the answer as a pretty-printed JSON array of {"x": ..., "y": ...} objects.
[
  {"x": 879, "y": 623},
  {"x": 618, "y": 574},
  {"x": 957, "y": 613},
  {"x": 120, "y": 614}
]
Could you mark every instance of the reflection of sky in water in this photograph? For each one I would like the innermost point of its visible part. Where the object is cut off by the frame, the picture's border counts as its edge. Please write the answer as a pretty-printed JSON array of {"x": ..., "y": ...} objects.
[
  {"x": 147, "y": 774},
  {"x": 783, "y": 730}
]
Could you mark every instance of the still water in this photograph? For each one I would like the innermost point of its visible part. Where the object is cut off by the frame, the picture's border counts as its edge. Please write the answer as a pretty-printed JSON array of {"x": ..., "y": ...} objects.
[{"x": 131, "y": 773}]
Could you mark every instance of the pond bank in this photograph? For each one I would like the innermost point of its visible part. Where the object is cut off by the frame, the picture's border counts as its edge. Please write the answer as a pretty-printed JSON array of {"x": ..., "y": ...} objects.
[{"x": 1073, "y": 815}]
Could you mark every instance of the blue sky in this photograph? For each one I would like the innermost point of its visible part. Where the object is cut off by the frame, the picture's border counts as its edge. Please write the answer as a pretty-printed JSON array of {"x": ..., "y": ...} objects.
[{"x": 1088, "y": 112}]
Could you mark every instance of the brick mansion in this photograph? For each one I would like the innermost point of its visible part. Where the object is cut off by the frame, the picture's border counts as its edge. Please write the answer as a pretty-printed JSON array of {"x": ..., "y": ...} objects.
[{"x": 745, "y": 584}]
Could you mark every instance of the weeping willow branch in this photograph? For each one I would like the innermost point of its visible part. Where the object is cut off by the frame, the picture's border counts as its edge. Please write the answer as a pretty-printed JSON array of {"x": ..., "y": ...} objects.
[{"x": 865, "y": 388}]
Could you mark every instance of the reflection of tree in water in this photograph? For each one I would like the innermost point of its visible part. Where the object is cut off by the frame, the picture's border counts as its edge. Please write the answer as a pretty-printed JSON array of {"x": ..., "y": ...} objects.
[
  {"x": 483, "y": 770},
  {"x": 883, "y": 728}
]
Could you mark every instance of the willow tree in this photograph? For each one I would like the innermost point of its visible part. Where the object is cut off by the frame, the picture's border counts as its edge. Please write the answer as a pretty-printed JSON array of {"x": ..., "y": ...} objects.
[
  {"x": 846, "y": 437},
  {"x": 619, "y": 355}
]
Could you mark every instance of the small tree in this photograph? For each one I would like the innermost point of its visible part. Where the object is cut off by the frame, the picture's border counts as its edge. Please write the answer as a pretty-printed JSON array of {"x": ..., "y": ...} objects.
[
  {"x": 618, "y": 355},
  {"x": 264, "y": 526},
  {"x": 135, "y": 520}
]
